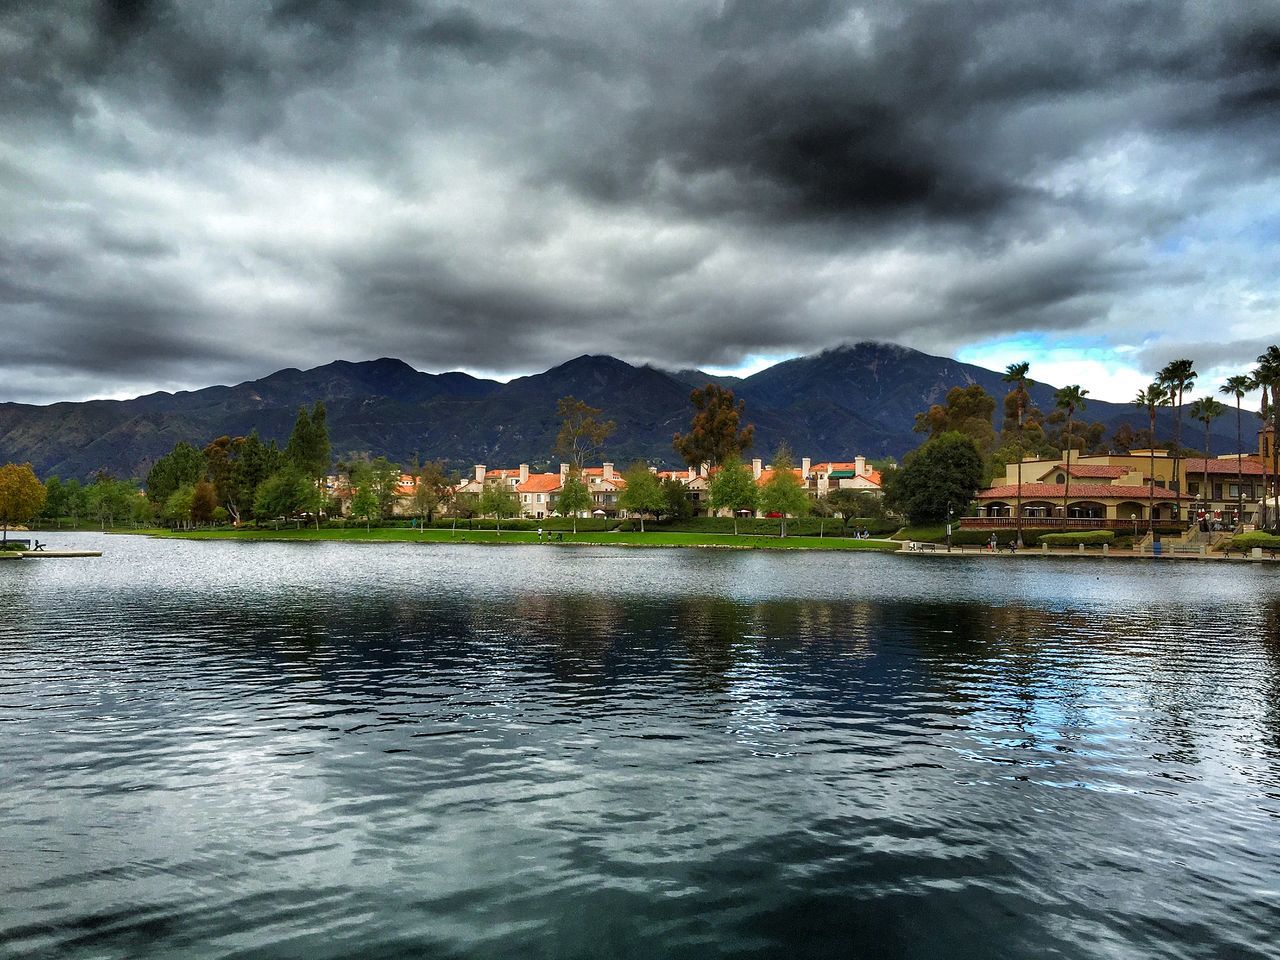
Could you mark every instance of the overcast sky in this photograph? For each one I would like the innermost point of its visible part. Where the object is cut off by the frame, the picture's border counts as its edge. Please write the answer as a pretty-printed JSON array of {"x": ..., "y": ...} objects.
[{"x": 206, "y": 191}]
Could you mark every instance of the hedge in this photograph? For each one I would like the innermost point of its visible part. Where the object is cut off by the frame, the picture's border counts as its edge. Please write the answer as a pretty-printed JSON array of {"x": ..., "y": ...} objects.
[
  {"x": 806, "y": 527},
  {"x": 1258, "y": 538},
  {"x": 1090, "y": 538}
]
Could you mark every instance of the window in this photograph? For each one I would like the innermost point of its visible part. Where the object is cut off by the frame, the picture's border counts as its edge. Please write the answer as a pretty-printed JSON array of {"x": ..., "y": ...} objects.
[
  {"x": 1193, "y": 488},
  {"x": 1233, "y": 490},
  {"x": 1062, "y": 478}
]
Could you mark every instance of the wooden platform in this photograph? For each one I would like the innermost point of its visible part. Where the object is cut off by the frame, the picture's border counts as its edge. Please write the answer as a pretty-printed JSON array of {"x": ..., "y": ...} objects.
[{"x": 50, "y": 554}]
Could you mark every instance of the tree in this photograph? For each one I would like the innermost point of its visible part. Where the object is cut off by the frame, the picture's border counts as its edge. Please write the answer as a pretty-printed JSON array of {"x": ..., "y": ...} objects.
[
  {"x": 73, "y": 493},
  {"x": 284, "y": 494},
  {"x": 364, "y": 505},
  {"x": 177, "y": 506},
  {"x": 967, "y": 410},
  {"x": 1267, "y": 379},
  {"x": 732, "y": 488},
  {"x": 184, "y": 465},
  {"x": 22, "y": 495},
  {"x": 851, "y": 504},
  {"x": 1016, "y": 374},
  {"x": 941, "y": 475},
  {"x": 676, "y": 497},
  {"x": 381, "y": 478},
  {"x": 466, "y": 505},
  {"x": 782, "y": 493},
  {"x": 204, "y": 501},
  {"x": 498, "y": 501},
  {"x": 1237, "y": 387},
  {"x": 714, "y": 435},
  {"x": 429, "y": 492},
  {"x": 575, "y": 497},
  {"x": 642, "y": 493},
  {"x": 237, "y": 465},
  {"x": 1176, "y": 377},
  {"x": 1206, "y": 410},
  {"x": 311, "y": 453},
  {"x": 582, "y": 432},
  {"x": 107, "y": 499},
  {"x": 1069, "y": 400},
  {"x": 55, "y": 498},
  {"x": 1151, "y": 399}
]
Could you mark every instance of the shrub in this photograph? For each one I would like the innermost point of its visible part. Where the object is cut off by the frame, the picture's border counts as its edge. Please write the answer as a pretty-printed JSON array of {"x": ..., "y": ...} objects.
[
  {"x": 1258, "y": 538},
  {"x": 1091, "y": 538}
]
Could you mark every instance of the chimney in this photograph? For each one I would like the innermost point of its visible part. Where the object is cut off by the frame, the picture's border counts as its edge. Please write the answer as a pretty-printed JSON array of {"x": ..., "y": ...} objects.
[
  {"x": 607, "y": 471},
  {"x": 524, "y": 473},
  {"x": 755, "y": 468},
  {"x": 860, "y": 466},
  {"x": 805, "y": 463},
  {"x": 704, "y": 469},
  {"x": 479, "y": 473},
  {"x": 693, "y": 473},
  {"x": 564, "y": 472}
]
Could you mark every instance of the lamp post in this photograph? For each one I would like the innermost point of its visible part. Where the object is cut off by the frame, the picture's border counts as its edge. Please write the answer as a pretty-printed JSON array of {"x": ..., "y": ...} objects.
[
  {"x": 1134, "y": 518},
  {"x": 950, "y": 514}
]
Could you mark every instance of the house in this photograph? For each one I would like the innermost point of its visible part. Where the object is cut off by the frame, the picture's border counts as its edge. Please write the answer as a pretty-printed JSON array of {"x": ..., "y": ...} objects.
[{"x": 1228, "y": 486}]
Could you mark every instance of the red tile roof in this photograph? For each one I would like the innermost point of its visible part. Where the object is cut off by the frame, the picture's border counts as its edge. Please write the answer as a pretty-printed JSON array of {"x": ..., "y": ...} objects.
[
  {"x": 1079, "y": 491},
  {"x": 1099, "y": 470},
  {"x": 540, "y": 483},
  {"x": 767, "y": 475},
  {"x": 1195, "y": 465}
]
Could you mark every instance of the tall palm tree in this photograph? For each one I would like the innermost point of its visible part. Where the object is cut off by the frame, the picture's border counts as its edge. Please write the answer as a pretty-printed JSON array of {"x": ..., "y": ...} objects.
[
  {"x": 1269, "y": 375},
  {"x": 1177, "y": 376},
  {"x": 1237, "y": 387},
  {"x": 1206, "y": 410},
  {"x": 1267, "y": 378},
  {"x": 1069, "y": 399},
  {"x": 1016, "y": 374},
  {"x": 1151, "y": 399}
]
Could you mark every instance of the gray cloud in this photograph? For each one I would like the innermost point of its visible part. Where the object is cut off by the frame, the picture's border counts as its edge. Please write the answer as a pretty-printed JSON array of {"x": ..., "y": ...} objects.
[{"x": 193, "y": 190}]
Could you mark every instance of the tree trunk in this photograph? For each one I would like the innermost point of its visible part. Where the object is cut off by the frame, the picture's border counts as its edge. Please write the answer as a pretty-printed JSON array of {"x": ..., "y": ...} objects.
[
  {"x": 1066, "y": 489},
  {"x": 1151, "y": 480},
  {"x": 1239, "y": 466},
  {"x": 1205, "y": 482}
]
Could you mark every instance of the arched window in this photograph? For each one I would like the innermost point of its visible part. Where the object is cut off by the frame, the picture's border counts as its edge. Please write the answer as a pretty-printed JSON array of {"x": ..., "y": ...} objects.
[{"x": 1061, "y": 478}]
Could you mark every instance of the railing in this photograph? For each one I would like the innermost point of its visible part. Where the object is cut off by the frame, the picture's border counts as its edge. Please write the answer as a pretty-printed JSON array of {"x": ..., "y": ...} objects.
[{"x": 1068, "y": 523}]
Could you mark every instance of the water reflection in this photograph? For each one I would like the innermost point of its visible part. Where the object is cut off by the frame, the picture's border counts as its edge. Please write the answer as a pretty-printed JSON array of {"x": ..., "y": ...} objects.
[{"x": 213, "y": 750}]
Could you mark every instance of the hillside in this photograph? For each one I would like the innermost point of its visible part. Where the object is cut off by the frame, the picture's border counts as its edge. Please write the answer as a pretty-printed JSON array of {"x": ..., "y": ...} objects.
[{"x": 857, "y": 399}]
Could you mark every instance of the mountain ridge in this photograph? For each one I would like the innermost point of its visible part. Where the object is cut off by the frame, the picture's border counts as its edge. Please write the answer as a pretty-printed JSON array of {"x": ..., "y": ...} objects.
[{"x": 859, "y": 398}]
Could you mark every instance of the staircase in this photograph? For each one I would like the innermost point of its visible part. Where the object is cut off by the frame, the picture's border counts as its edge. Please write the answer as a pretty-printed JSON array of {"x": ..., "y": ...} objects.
[{"x": 1192, "y": 543}]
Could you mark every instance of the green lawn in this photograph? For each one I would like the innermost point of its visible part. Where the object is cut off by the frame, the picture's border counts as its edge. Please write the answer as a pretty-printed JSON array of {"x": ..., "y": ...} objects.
[{"x": 648, "y": 539}]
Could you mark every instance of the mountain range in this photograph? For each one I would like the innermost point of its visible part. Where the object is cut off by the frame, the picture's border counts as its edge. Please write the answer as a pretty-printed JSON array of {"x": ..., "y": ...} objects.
[{"x": 854, "y": 399}]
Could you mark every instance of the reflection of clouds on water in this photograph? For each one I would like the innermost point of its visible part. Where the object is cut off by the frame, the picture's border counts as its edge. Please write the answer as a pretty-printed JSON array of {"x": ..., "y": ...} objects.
[{"x": 480, "y": 751}]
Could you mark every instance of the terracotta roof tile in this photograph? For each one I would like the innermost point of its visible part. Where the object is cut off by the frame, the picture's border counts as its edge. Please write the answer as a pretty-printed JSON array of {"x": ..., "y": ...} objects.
[
  {"x": 1248, "y": 467},
  {"x": 540, "y": 483},
  {"x": 1097, "y": 470},
  {"x": 1079, "y": 491}
]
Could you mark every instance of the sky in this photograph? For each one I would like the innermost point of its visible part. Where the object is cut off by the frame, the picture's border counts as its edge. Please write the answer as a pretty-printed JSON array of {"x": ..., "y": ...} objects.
[{"x": 204, "y": 192}]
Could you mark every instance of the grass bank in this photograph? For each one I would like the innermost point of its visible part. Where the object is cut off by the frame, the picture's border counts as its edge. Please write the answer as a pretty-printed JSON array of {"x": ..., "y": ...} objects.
[{"x": 524, "y": 537}]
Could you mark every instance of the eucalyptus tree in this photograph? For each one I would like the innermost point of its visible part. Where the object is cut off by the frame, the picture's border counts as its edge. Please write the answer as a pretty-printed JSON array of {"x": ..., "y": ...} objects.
[
  {"x": 1152, "y": 399},
  {"x": 1206, "y": 410},
  {"x": 1016, "y": 374},
  {"x": 1069, "y": 400},
  {"x": 1177, "y": 377},
  {"x": 1238, "y": 386}
]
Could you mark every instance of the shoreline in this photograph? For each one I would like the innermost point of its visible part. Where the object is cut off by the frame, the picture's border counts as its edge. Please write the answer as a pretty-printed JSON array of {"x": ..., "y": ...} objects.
[{"x": 653, "y": 540}]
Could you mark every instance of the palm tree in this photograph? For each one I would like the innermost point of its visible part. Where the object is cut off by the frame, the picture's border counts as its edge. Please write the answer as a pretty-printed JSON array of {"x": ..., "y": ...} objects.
[
  {"x": 1177, "y": 376},
  {"x": 1069, "y": 399},
  {"x": 1267, "y": 378},
  {"x": 1237, "y": 387},
  {"x": 1206, "y": 410},
  {"x": 1151, "y": 399},
  {"x": 1016, "y": 374}
]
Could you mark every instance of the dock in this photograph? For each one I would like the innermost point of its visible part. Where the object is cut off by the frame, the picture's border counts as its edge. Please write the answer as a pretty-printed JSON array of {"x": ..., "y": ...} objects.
[{"x": 47, "y": 554}]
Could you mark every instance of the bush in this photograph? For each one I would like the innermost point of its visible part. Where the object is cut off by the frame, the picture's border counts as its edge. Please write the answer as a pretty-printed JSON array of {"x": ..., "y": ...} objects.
[
  {"x": 1091, "y": 538},
  {"x": 805, "y": 527},
  {"x": 1258, "y": 538}
]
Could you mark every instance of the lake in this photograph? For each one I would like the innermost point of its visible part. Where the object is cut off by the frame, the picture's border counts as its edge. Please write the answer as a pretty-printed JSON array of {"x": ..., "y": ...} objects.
[{"x": 339, "y": 750}]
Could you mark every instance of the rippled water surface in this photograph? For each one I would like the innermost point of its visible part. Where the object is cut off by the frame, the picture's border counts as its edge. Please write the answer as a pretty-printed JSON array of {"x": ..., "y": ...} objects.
[{"x": 337, "y": 750}]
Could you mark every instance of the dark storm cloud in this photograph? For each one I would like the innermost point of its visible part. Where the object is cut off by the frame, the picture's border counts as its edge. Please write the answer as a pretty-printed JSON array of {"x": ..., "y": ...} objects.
[{"x": 194, "y": 189}]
